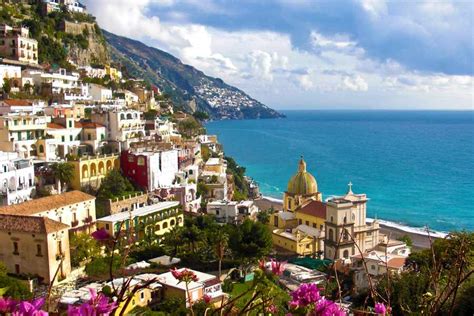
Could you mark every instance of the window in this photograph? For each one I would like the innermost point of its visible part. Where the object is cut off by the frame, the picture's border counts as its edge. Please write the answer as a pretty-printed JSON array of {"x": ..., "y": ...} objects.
[
  {"x": 17, "y": 268},
  {"x": 142, "y": 295},
  {"x": 102, "y": 136},
  {"x": 63, "y": 138},
  {"x": 71, "y": 138},
  {"x": 275, "y": 221},
  {"x": 89, "y": 136},
  {"x": 331, "y": 235},
  {"x": 70, "y": 123},
  {"x": 369, "y": 233},
  {"x": 217, "y": 212},
  {"x": 141, "y": 161},
  {"x": 38, "y": 251},
  {"x": 332, "y": 219},
  {"x": 346, "y": 254},
  {"x": 300, "y": 222},
  {"x": 307, "y": 223},
  {"x": 15, "y": 248},
  {"x": 15, "y": 122},
  {"x": 314, "y": 225}
]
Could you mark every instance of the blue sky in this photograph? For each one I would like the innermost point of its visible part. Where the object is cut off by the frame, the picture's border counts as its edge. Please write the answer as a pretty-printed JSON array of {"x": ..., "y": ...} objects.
[{"x": 294, "y": 54}]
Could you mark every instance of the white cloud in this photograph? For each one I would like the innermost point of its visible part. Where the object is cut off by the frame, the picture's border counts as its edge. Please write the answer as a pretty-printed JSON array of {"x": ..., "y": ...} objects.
[
  {"x": 375, "y": 7},
  {"x": 267, "y": 66},
  {"x": 355, "y": 83}
]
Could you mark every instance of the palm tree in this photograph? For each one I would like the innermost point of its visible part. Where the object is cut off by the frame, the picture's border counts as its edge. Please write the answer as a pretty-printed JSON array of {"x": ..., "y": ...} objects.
[
  {"x": 192, "y": 235},
  {"x": 172, "y": 240},
  {"x": 64, "y": 173},
  {"x": 221, "y": 241}
]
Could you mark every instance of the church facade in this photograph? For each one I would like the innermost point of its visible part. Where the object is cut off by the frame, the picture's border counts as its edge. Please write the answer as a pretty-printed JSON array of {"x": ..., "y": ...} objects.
[{"x": 336, "y": 228}]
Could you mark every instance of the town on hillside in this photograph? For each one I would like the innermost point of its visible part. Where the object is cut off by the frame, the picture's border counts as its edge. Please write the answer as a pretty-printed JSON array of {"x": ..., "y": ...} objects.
[{"x": 110, "y": 192}]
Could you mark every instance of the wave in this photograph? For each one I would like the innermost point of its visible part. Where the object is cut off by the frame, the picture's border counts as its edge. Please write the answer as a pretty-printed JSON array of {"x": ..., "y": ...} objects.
[{"x": 409, "y": 229}]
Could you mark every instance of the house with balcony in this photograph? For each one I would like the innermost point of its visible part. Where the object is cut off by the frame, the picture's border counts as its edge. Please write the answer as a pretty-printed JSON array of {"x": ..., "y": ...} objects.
[
  {"x": 63, "y": 138},
  {"x": 150, "y": 169},
  {"x": 123, "y": 126},
  {"x": 99, "y": 93},
  {"x": 232, "y": 212},
  {"x": 21, "y": 105},
  {"x": 150, "y": 220},
  {"x": 215, "y": 176},
  {"x": 12, "y": 74},
  {"x": 75, "y": 209},
  {"x": 35, "y": 246},
  {"x": 17, "y": 179},
  {"x": 16, "y": 44},
  {"x": 89, "y": 171},
  {"x": 20, "y": 132}
]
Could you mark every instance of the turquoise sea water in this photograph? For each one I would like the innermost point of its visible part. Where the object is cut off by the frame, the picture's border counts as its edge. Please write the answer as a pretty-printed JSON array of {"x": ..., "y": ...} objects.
[{"x": 417, "y": 167}]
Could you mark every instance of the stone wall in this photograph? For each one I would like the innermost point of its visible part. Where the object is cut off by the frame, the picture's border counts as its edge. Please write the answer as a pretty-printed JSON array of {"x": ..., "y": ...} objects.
[{"x": 126, "y": 203}]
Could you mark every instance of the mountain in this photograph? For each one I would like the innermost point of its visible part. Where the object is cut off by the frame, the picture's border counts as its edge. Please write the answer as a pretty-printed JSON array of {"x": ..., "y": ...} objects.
[{"x": 189, "y": 88}]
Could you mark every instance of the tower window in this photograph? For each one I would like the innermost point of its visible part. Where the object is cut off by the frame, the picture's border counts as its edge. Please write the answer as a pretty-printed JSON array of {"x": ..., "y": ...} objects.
[
  {"x": 15, "y": 248},
  {"x": 38, "y": 251}
]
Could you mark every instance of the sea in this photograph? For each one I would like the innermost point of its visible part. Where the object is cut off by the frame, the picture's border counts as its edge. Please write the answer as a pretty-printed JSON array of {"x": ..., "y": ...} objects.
[{"x": 416, "y": 167}]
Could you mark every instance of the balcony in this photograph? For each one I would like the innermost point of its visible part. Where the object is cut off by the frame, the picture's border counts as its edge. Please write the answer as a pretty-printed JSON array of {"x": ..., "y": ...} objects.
[
  {"x": 60, "y": 256},
  {"x": 88, "y": 220},
  {"x": 74, "y": 223}
]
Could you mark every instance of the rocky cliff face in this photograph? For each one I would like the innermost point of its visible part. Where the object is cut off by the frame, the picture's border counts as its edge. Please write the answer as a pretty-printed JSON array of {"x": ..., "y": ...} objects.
[
  {"x": 189, "y": 87},
  {"x": 96, "y": 51}
]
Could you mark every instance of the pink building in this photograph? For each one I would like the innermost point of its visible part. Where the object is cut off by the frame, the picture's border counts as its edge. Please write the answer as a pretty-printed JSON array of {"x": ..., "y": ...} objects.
[{"x": 16, "y": 44}]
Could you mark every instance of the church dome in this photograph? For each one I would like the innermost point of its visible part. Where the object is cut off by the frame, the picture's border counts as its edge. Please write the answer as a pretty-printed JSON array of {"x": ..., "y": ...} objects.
[{"x": 303, "y": 182}]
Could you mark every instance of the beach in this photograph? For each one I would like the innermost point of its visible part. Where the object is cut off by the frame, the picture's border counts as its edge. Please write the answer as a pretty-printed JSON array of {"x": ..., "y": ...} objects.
[{"x": 420, "y": 238}]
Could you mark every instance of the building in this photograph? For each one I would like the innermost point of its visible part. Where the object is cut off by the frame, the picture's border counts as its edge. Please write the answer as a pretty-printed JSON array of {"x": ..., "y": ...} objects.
[
  {"x": 74, "y": 6},
  {"x": 35, "y": 246},
  {"x": 301, "y": 187},
  {"x": 75, "y": 209},
  {"x": 126, "y": 203},
  {"x": 346, "y": 226},
  {"x": 232, "y": 211},
  {"x": 12, "y": 74},
  {"x": 64, "y": 138},
  {"x": 20, "y": 131},
  {"x": 150, "y": 220},
  {"x": 89, "y": 171},
  {"x": 214, "y": 174},
  {"x": 378, "y": 264},
  {"x": 21, "y": 105},
  {"x": 207, "y": 284},
  {"x": 99, "y": 93},
  {"x": 123, "y": 126},
  {"x": 129, "y": 97},
  {"x": 16, "y": 44},
  {"x": 59, "y": 82},
  {"x": 150, "y": 170},
  {"x": 299, "y": 227},
  {"x": 17, "y": 178},
  {"x": 93, "y": 136}
]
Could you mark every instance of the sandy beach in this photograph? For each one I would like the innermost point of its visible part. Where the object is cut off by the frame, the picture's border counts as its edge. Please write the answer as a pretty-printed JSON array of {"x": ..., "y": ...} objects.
[{"x": 420, "y": 239}]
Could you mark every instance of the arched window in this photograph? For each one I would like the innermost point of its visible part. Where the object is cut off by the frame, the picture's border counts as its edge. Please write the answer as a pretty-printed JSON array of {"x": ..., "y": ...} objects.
[
  {"x": 346, "y": 254},
  {"x": 41, "y": 149},
  {"x": 346, "y": 235},
  {"x": 172, "y": 222},
  {"x": 165, "y": 225},
  {"x": 122, "y": 116},
  {"x": 331, "y": 234},
  {"x": 332, "y": 219}
]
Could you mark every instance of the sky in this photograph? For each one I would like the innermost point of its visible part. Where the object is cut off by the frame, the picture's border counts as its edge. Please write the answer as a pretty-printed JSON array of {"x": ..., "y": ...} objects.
[{"x": 308, "y": 54}]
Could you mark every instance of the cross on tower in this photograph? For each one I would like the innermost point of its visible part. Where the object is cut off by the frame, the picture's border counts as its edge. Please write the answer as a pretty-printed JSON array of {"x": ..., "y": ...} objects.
[{"x": 350, "y": 188}]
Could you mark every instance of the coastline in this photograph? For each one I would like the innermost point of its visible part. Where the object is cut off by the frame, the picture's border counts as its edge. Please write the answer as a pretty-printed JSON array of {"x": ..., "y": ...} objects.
[{"x": 419, "y": 236}]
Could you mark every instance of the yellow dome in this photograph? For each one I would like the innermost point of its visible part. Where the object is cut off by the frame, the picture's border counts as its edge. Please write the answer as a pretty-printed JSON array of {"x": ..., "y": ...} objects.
[{"x": 303, "y": 182}]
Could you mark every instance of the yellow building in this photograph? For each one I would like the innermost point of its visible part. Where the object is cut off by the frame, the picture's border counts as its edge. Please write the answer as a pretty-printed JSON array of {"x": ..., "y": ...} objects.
[
  {"x": 299, "y": 228},
  {"x": 91, "y": 170},
  {"x": 37, "y": 246},
  {"x": 114, "y": 73},
  {"x": 156, "y": 219},
  {"x": 301, "y": 187}
]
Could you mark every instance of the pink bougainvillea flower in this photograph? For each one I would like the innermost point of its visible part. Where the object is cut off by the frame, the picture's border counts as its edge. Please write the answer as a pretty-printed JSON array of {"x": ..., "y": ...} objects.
[
  {"x": 101, "y": 235},
  {"x": 7, "y": 305},
  {"x": 261, "y": 264},
  {"x": 305, "y": 295},
  {"x": 380, "y": 309},
  {"x": 272, "y": 309},
  {"x": 278, "y": 267},
  {"x": 206, "y": 298},
  {"x": 97, "y": 305},
  {"x": 30, "y": 308},
  {"x": 326, "y": 307},
  {"x": 184, "y": 275}
]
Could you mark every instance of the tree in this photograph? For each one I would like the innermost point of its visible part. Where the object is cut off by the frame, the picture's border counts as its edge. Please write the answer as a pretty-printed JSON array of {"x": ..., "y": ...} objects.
[
  {"x": 172, "y": 240},
  {"x": 406, "y": 239},
  {"x": 6, "y": 86},
  {"x": 263, "y": 217},
  {"x": 192, "y": 235},
  {"x": 64, "y": 173},
  {"x": 201, "y": 116},
  {"x": 16, "y": 289},
  {"x": 83, "y": 247},
  {"x": 114, "y": 185},
  {"x": 250, "y": 241},
  {"x": 221, "y": 241}
]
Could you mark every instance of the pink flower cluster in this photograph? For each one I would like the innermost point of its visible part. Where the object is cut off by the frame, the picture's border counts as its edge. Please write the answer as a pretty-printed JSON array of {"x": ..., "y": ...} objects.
[
  {"x": 380, "y": 309},
  {"x": 24, "y": 308},
  {"x": 97, "y": 305},
  {"x": 184, "y": 275},
  {"x": 277, "y": 267},
  {"x": 308, "y": 298}
]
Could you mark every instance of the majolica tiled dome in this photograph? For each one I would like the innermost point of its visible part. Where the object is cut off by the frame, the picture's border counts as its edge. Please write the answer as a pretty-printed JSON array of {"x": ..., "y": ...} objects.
[{"x": 303, "y": 182}]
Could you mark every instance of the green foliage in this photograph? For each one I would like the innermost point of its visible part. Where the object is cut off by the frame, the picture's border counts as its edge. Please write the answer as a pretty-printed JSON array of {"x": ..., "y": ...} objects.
[
  {"x": 3, "y": 269},
  {"x": 227, "y": 285},
  {"x": 63, "y": 172},
  {"x": 6, "y": 85},
  {"x": 406, "y": 239},
  {"x": 263, "y": 217},
  {"x": 83, "y": 247},
  {"x": 115, "y": 185},
  {"x": 202, "y": 189},
  {"x": 238, "y": 173},
  {"x": 146, "y": 253},
  {"x": 100, "y": 266},
  {"x": 16, "y": 289},
  {"x": 189, "y": 127},
  {"x": 172, "y": 306},
  {"x": 201, "y": 116},
  {"x": 250, "y": 241},
  {"x": 205, "y": 153},
  {"x": 150, "y": 115}
]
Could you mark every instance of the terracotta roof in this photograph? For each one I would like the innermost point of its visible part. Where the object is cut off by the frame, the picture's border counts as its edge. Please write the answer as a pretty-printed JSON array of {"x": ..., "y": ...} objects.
[
  {"x": 313, "y": 208},
  {"x": 17, "y": 102},
  {"x": 87, "y": 125},
  {"x": 46, "y": 203},
  {"x": 30, "y": 224},
  {"x": 55, "y": 125},
  {"x": 396, "y": 263}
]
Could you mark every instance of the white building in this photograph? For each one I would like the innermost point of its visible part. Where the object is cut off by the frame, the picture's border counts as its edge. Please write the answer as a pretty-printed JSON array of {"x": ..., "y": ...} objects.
[
  {"x": 20, "y": 131},
  {"x": 16, "y": 177},
  {"x": 10, "y": 73},
  {"x": 20, "y": 105},
  {"x": 99, "y": 93},
  {"x": 215, "y": 176},
  {"x": 123, "y": 126},
  {"x": 74, "y": 6},
  {"x": 232, "y": 211},
  {"x": 16, "y": 44},
  {"x": 61, "y": 81}
]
